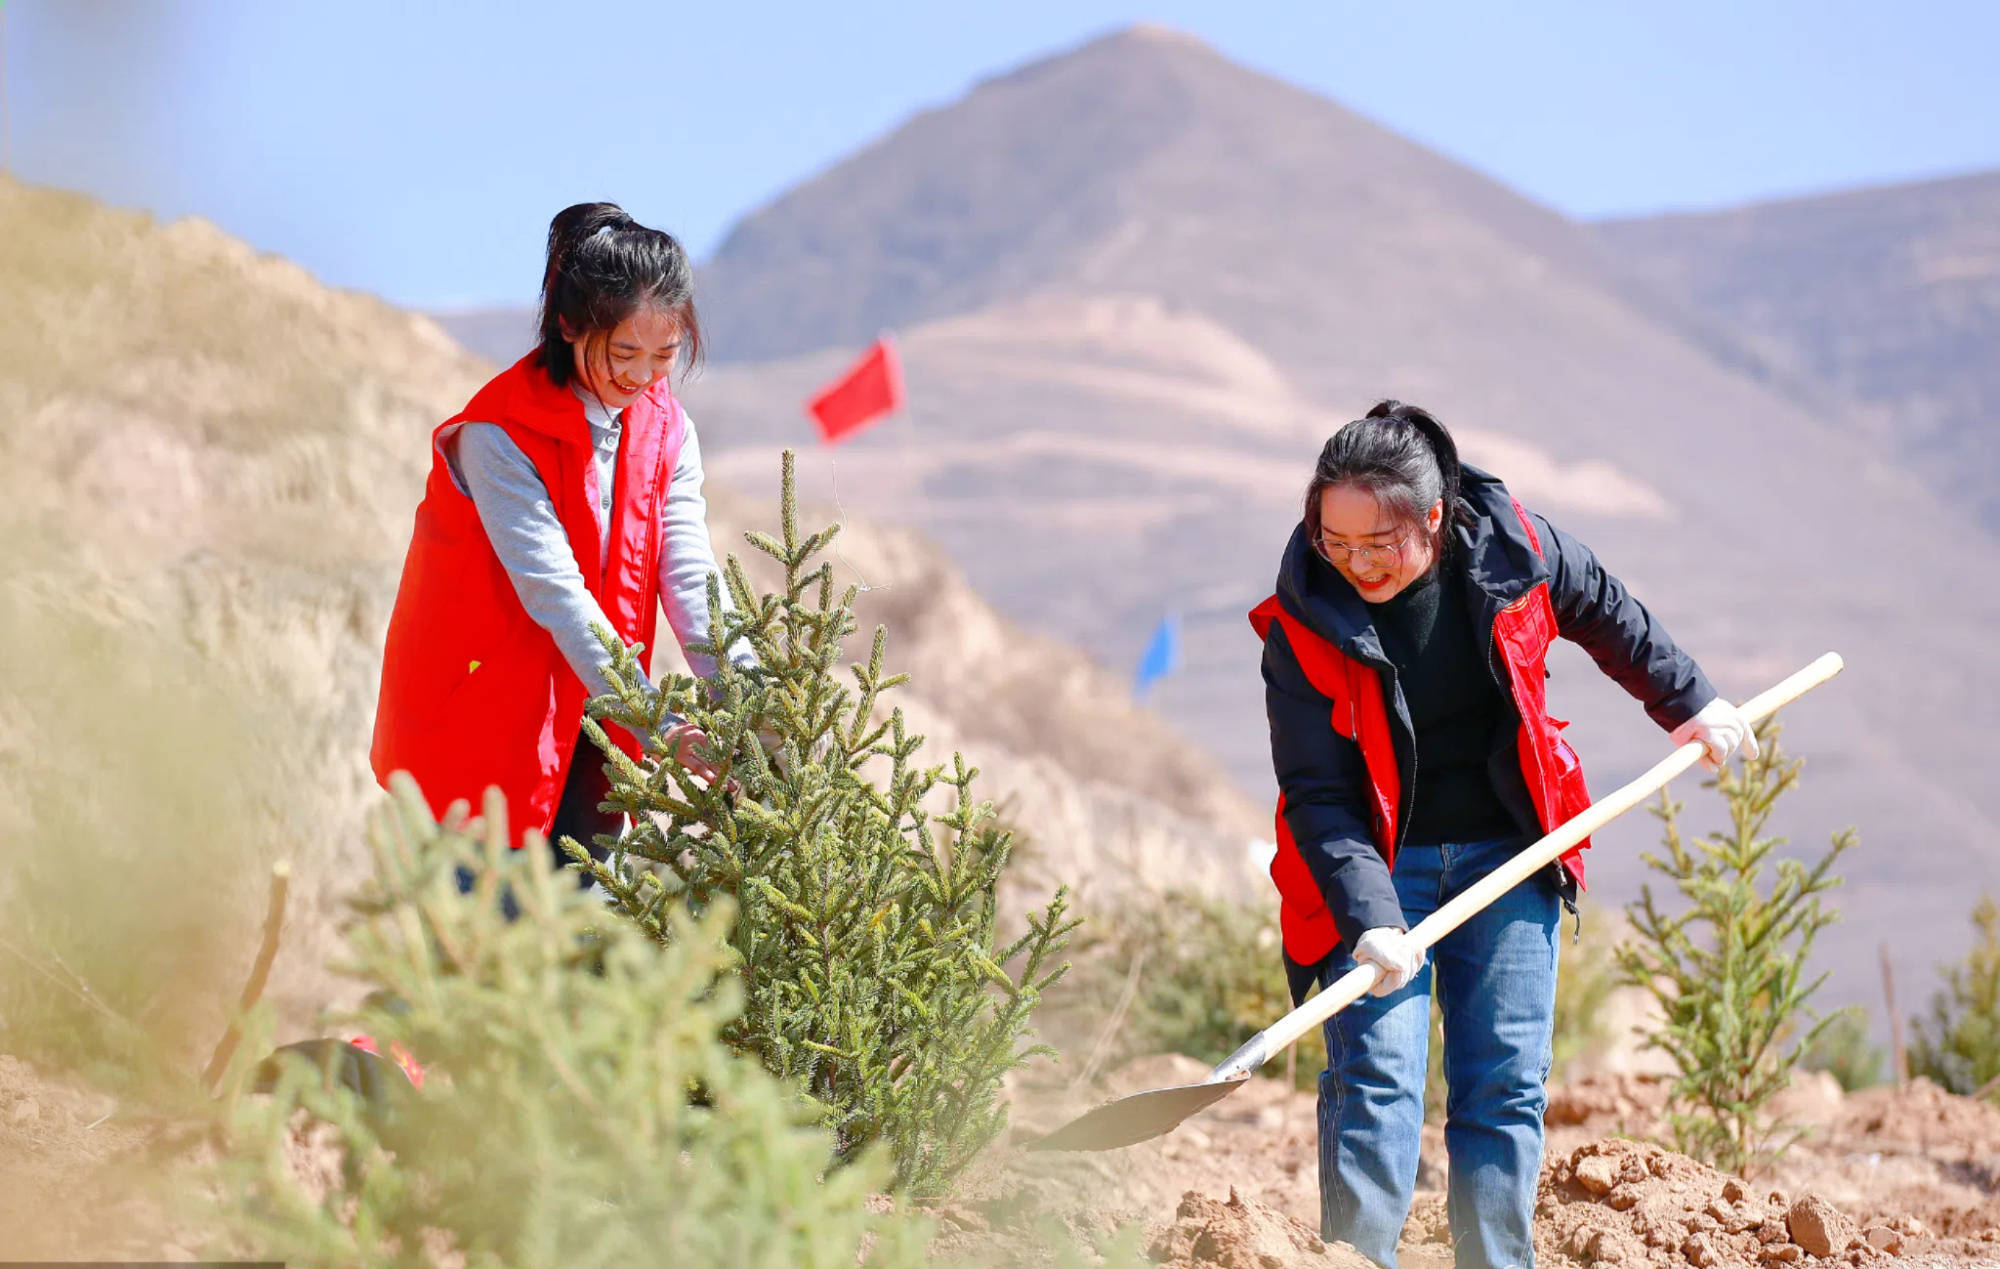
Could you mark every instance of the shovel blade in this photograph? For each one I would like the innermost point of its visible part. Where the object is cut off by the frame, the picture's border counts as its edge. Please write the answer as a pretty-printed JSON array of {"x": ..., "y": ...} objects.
[{"x": 1140, "y": 1117}]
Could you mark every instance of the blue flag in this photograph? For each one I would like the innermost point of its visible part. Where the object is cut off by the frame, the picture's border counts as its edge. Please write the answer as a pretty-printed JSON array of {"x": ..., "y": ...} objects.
[{"x": 1163, "y": 655}]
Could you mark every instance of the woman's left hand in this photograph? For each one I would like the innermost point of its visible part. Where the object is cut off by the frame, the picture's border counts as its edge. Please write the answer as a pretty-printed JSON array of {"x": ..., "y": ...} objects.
[{"x": 1723, "y": 731}]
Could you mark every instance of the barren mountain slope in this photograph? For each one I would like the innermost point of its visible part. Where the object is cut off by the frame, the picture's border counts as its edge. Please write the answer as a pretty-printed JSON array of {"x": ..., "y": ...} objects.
[
  {"x": 1122, "y": 362},
  {"x": 1890, "y": 296},
  {"x": 213, "y": 457}
]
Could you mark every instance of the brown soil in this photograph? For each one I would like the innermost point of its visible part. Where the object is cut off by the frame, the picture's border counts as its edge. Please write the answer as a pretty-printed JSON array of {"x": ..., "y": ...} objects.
[
  {"x": 1630, "y": 1203},
  {"x": 1242, "y": 1235},
  {"x": 1923, "y": 1117},
  {"x": 74, "y": 1170},
  {"x": 1881, "y": 1179}
]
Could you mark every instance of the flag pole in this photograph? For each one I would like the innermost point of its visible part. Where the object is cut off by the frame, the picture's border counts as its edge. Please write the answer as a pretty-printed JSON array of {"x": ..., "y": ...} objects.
[{"x": 909, "y": 424}]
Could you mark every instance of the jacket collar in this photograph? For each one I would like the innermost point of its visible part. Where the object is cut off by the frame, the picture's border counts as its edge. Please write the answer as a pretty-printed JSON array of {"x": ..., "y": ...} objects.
[
  {"x": 1315, "y": 593},
  {"x": 1499, "y": 560}
]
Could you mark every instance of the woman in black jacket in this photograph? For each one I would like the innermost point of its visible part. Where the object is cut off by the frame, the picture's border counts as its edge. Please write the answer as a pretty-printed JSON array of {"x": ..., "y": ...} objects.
[{"x": 1414, "y": 753}]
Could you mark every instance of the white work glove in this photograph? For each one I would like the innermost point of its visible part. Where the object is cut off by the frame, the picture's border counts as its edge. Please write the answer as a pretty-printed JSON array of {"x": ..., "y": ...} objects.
[
  {"x": 1722, "y": 730},
  {"x": 1395, "y": 952}
]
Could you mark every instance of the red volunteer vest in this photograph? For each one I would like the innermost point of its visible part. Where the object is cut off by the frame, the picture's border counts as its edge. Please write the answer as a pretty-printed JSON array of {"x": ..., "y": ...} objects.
[
  {"x": 474, "y": 693},
  {"x": 1522, "y": 632}
]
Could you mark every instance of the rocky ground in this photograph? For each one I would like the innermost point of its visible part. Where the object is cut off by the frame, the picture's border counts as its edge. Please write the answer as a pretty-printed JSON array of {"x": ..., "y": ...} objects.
[{"x": 1881, "y": 1178}]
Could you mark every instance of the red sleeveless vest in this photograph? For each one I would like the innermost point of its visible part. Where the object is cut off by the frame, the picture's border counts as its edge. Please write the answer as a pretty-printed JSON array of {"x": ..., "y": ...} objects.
[
  {"x": 1522, "y": 634},
  {"x": 474, "y": 693}
]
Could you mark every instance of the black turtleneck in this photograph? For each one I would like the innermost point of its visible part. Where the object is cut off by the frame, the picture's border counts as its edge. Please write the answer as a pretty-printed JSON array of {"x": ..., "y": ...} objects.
[{"x": 1455, "y": 708}]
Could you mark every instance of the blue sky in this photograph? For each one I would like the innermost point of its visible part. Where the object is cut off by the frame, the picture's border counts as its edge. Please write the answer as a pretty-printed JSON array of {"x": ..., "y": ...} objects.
[{"x": 417, "y": 148}]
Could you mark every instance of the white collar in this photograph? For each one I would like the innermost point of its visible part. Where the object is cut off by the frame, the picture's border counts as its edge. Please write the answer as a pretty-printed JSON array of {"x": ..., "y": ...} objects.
[{"x": 595, "y": 411}]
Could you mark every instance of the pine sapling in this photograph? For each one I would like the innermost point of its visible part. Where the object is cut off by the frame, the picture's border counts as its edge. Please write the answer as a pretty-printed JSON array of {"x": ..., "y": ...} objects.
[
  {"x": 1729, "y": 970},
  {"x": 864, "y": 881},
  {"x": 579, "y": 1105},
  {"x": 1958, "y": 1047}
]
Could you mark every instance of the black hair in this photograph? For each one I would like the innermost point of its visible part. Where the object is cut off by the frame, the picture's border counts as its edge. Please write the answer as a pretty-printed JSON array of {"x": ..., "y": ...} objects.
[
  {"x": 603, "y": 266},
  {"x": 1404, "y": 457}
]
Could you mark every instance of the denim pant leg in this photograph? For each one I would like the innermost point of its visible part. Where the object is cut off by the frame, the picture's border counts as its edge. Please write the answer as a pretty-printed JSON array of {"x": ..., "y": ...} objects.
[
  {"x": 1371, "y": 1097},
  {"x": 1496, "y": 978}
]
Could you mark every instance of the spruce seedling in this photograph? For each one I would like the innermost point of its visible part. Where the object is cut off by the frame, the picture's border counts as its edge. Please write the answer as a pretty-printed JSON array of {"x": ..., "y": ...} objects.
[
  {"x": 864, "y": 882},
  {"x": 579, "y": 1105},
  {"x": 1729, "y": 971},
  {"x": 1958, "y": 1047}
]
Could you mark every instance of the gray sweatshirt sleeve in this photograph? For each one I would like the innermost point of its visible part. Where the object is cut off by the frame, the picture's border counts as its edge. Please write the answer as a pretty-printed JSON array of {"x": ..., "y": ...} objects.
[
  {"x": 520, "y": 521},
  {"x": 687, "y": 557}
]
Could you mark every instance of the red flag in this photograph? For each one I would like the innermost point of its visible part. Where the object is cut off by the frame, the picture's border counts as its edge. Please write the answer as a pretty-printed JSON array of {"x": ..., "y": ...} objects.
[{"x": 870, "y": 389}]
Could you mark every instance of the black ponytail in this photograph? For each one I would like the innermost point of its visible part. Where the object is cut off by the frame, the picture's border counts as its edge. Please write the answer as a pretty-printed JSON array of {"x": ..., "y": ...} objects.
[
  {"x": 602, "y": 267},
  {"x": 1404, "y": 457}
]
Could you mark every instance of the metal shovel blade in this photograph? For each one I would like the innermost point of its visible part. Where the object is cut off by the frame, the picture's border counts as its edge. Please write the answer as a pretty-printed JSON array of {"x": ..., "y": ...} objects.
[{"x": 1140, "y": 1117}]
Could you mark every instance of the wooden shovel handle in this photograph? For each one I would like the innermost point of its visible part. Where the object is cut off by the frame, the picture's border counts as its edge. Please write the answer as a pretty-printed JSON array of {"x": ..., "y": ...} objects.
[{"x": 1351, "y": 986}]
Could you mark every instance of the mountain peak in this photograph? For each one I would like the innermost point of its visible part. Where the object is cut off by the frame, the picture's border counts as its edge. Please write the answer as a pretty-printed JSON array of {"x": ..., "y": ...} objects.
[
  {"x": 1149, "y": 37},
  {"x": 1158, "y": 32},
  {"x": 1132, "y": 46},
  {"x": 1142, "y": 162}
]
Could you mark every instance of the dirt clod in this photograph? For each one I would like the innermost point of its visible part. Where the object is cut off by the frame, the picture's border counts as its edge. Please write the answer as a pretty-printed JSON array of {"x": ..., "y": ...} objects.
[
  {"x": 1884, "y": 1237},
  {"x": 1430, "y": 1220},
  {"x": 1818, "y": 1227},
  {"x": 1243, "y": 1234},
  {"x": 1597, "y": 1173}
]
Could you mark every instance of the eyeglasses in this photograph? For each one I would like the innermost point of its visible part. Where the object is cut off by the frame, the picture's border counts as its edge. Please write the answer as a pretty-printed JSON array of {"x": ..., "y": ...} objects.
[{"x": 1371, "y": 556}]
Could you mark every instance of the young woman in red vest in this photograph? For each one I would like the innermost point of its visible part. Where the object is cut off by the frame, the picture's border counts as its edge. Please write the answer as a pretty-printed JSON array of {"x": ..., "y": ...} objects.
[
  {"x": 1414, "y": 752},
  {"x": 566, "y": 495}
]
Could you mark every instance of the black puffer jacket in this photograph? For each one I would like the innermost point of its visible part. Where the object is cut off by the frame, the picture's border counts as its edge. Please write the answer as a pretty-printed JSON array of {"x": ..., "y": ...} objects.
[{"x": 1321, "y": 773}]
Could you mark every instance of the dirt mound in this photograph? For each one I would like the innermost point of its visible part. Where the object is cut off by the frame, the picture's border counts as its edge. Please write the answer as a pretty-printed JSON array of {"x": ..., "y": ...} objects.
[
  {"x": 1635, "y": 1203},
  {"x": 1628, "y": 1099},
  {"x": 1631, "y": 1203},
  {"x": 1921, "y": 1115},
  {"x": 1243, "y": 1234}
]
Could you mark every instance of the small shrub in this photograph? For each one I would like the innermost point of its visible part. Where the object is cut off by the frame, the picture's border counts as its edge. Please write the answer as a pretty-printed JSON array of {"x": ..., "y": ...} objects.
[
  {"x": 1206, "y": 977},
  {"x": 1845, "y": 1051},
  {"x": 579, "y": 1107},
  {"x": 1729, "y": 971},
  {"x": 1958, "y": 1047},
  {"x": 865, "y": 919}
]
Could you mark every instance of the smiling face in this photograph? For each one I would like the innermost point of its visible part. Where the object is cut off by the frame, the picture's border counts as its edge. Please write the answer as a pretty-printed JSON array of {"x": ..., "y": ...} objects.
[
  {"x": 619, "y": 365},
  {"x": 1377, "y": 553}
]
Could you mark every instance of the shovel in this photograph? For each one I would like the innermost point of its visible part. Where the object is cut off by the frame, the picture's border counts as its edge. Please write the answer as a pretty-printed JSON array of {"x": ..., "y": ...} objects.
[{"x": 1143, "y": 1116}]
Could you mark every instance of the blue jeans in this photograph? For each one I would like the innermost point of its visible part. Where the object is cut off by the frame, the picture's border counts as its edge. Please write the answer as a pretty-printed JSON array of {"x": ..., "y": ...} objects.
[{"x": 1496, "y": 985}]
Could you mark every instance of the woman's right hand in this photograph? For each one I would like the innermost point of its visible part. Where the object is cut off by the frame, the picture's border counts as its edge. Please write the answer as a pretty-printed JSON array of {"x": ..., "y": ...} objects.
[
  {"x": 681, "y": 740},
  {"x": 1394, "y": 952},
  {"x": 1723, "y": 732}
]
